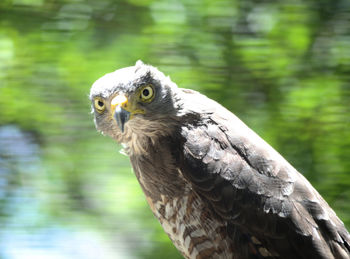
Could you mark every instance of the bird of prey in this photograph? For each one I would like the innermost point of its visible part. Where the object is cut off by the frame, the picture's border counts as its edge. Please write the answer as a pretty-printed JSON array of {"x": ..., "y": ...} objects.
[{"x": 217, "y": 188}]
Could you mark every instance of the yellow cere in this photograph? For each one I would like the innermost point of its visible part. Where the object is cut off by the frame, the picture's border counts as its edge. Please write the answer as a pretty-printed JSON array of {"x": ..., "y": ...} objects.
[{"x": 119, "y": 100}]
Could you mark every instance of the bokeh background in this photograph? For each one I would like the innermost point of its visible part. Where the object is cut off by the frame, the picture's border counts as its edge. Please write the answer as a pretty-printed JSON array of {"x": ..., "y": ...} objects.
[{"x": 67, "y": 192}]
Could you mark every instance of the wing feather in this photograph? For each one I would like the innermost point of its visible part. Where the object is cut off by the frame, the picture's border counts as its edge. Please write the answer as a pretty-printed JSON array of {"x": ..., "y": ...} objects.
[{"x": 250, "y": 185}]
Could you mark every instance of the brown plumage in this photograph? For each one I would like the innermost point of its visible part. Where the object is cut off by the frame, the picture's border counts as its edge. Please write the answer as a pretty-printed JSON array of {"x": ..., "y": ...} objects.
[{"x": 217, "y": 188}]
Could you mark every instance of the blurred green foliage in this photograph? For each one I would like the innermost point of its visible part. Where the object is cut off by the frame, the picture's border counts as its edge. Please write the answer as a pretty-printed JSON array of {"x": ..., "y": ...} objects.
[{"x": 65, "y": 191}]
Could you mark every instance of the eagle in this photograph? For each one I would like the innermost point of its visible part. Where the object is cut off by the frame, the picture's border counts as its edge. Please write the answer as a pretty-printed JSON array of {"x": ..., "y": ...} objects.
[{"x": 216, "y": 187}]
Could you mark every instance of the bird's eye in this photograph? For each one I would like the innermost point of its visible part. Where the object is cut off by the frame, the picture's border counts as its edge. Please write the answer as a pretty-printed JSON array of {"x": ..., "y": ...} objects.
[
  {"x": 99, "y": 104},
  {"x": 147, "y": 93}
]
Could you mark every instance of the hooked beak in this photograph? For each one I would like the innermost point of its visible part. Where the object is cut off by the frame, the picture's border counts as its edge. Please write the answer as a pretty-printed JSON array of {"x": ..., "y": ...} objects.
[{"x": 121, "y": 115}]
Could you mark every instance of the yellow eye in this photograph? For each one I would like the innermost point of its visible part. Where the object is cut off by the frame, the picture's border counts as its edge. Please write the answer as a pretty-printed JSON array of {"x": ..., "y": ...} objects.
[
  {"x": 99, "y": 104},
  {"x": 147, "y": 93}
]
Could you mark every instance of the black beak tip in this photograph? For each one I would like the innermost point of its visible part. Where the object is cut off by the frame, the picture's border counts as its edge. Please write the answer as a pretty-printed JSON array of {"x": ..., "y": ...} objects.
[{"x": 121, "y": 116}]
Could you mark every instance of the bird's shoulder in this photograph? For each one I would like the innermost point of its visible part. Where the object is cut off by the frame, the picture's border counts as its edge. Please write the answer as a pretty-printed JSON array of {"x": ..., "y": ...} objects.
[
  {"x": 220, "y": 129},
  {"x": 248, "y": 183}
]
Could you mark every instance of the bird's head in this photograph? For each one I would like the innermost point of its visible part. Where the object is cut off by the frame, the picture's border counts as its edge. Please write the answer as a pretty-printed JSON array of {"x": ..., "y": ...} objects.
[{"x": 133, "y": 102}]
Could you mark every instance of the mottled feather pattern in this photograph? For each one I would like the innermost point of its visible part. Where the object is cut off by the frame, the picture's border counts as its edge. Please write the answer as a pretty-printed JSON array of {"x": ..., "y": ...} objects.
[{"x": 217, "y": 188}]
